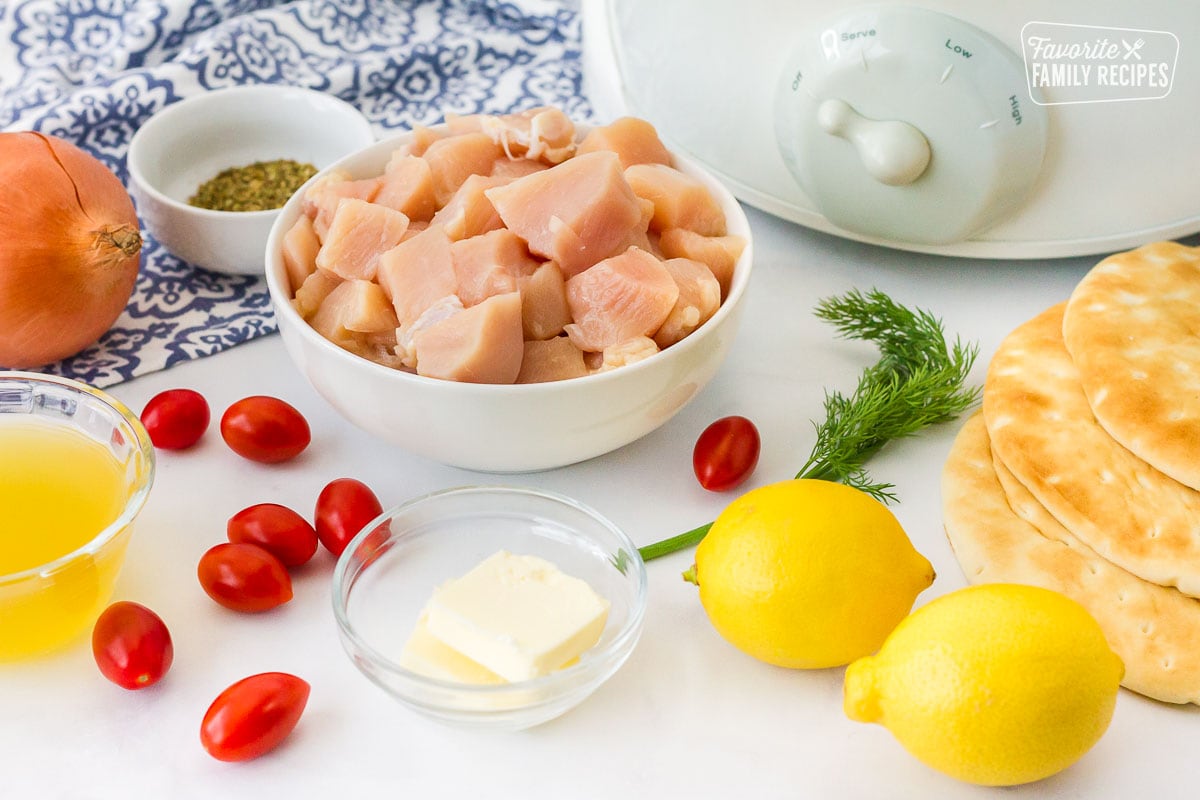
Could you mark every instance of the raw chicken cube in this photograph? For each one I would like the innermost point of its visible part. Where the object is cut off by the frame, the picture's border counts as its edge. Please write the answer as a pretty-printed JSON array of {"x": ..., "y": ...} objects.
[
  {"x": 300, "y": 246},
  {"x": 574, "y": 214},
  {"x": 385, "y": 338},
  {"x": 630, "y": 351},
  {"x": 419, "y": 141},
  {"x": 719, "y": 253},
  {"x": 462, "y": 123},
  {"x": 313, "y": 291},
  {"x": 699, "y": 298},
  {"x": 639, "y": 235},
  {"x": 440, "y": 309},
  {"x": 408, "y": 187},
  {"x": 489, "y": 265},
  {"x": 538, "y": 134},
  {"x": 377, "y": 346},
  {"x": 360, "y": 232},
  {"x": 415, "y": 226},
  {"x": 633, "y": 140},
  {"x": 637, "y": 238},
  {"x": 454, "y": 159},
  {"x": 354, "y": 306},
  {"x": 469, "y": 213},
  {"x": 544, "y": 309},
  {"x": 513, "y": 168},
  {"x": 647, "y": 208},
  {"x": 620, "y": 298},
  {"x": 680, "y": 201},
  {"x": 416, "y": 273},
  {"x": 322, "y": 198},
  {"x": 554, "y": 359},
  {"x": 481, "y": 344}
]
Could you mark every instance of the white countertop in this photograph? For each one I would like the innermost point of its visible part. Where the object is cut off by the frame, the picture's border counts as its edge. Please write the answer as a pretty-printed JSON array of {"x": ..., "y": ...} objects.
[{"x": 688, "y": 715}]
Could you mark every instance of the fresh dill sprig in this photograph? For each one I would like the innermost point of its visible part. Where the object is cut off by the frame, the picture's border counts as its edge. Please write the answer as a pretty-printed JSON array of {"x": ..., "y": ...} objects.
[{"x": 918, "y": 381}]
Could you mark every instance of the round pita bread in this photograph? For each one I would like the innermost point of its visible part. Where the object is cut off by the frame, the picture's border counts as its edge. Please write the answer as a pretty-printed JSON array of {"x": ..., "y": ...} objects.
[
  {"x": 1042, "y": 428},
  {"x": 1152, "y": 628},
  {"x": 1132, "y": 327}
]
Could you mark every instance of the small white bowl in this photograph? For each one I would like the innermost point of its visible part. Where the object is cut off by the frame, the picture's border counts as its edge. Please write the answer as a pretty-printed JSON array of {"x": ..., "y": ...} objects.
[
  {"x": 189, "y": 142},
  {"x": 507, "y": 428},
  {"x": 388, "y": 572}
]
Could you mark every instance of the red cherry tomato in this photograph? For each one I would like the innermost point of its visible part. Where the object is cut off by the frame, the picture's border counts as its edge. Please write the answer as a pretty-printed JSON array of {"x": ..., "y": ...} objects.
[
  {"x": 726, "y": 453},
  {"x": 244, "y": 577},
  {"x": 344, "y": 507},
  {"x": 265, "y": 429},
  {"x": 253, "y": 716},
  {"x": 132, "y": 645},
  {"x": 277, "y": 529},
  {"x": 176, "y": 418}
]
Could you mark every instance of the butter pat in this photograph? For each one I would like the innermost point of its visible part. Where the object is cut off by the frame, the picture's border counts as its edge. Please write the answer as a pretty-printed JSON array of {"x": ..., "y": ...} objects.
[
  {"x": 518, "y": 616},
  {"x": 427, "y": 655}
]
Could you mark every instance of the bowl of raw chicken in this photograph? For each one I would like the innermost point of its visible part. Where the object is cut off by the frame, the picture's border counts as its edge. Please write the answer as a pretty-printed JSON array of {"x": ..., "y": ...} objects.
[{"x": 510, "y": 293}]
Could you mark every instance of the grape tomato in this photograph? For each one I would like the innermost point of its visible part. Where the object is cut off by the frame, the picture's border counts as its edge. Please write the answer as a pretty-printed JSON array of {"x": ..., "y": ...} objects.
[
  {"x": 726, "y": 453},
  {"x": 344, "y": 507},
  {"x": 253, "y": 716},
  {"x": 265, "y": 429},
  {"x": 277, "y": 529},
  {"x": 176, "y": 418},
  {"x": 244, "y": 577},
  {"x": 132, "y": 645}
]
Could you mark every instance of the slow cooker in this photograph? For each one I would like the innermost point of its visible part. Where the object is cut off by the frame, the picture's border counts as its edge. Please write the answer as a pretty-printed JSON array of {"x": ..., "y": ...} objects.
[{"x": 997, "y": 130}]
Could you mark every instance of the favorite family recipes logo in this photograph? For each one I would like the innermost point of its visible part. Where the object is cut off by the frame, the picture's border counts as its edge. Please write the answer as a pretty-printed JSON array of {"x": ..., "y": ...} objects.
[{"x": 1089, "y": 64}]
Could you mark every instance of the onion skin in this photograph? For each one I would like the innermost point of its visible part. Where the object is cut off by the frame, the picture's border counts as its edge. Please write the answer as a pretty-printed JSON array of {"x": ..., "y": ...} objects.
[{"x": 69, "y": 249}]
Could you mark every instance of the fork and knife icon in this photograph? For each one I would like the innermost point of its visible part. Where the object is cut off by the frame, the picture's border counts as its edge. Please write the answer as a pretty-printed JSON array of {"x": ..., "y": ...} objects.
[{"x": 1131, "y": 50}]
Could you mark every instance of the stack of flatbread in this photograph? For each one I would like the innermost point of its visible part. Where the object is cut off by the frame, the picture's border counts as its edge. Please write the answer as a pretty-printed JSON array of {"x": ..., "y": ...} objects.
[{"x": 1082, "y": 472}]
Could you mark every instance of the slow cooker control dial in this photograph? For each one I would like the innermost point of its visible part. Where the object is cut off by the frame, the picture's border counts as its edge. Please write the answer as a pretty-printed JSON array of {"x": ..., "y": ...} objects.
[
  {"x": 891, "y": 151},
  {"x": 908, "y": 125}
]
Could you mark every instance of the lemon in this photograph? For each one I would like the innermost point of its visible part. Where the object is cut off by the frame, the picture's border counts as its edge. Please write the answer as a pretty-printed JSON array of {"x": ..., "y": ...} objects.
[
  {"x": 808, "y": 573},
  {"x": 997, "y": 684}
]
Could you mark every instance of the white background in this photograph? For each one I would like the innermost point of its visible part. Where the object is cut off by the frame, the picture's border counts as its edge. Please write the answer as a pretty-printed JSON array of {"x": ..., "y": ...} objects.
[{"x": 688, "y": 715}]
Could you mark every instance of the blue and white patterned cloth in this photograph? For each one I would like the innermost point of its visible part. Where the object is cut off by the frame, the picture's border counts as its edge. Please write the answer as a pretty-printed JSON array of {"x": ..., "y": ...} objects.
[{"x": 92, "y": 71}]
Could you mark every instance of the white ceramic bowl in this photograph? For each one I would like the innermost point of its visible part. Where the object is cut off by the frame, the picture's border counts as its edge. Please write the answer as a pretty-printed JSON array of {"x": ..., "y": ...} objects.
[
  {"x": 388, "y": 572},
  {"x": 511, "y": 428},
  {"x": 190, "y": 141}
]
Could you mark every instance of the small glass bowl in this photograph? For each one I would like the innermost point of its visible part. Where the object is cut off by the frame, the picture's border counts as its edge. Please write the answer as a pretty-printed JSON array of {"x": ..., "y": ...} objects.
[
  {"x": 389, "y": 571},
  {"x": 47, "y": 606}
]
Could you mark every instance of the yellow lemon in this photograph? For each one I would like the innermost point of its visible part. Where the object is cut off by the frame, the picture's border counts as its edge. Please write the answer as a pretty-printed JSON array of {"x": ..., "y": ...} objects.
[
  {"x": 808, "y": 573},
  {"x": 997, "y": 684}
]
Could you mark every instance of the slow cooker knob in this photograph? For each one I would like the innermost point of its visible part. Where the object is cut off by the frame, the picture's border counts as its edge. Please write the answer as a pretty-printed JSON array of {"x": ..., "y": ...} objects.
[
  {"x": 891, "y": 151},
  {"x": 909, "y": 125}
]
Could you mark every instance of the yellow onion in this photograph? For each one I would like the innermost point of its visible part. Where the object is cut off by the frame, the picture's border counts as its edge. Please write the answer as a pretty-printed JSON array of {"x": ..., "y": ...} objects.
[{"x": 69, "y": 249}]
